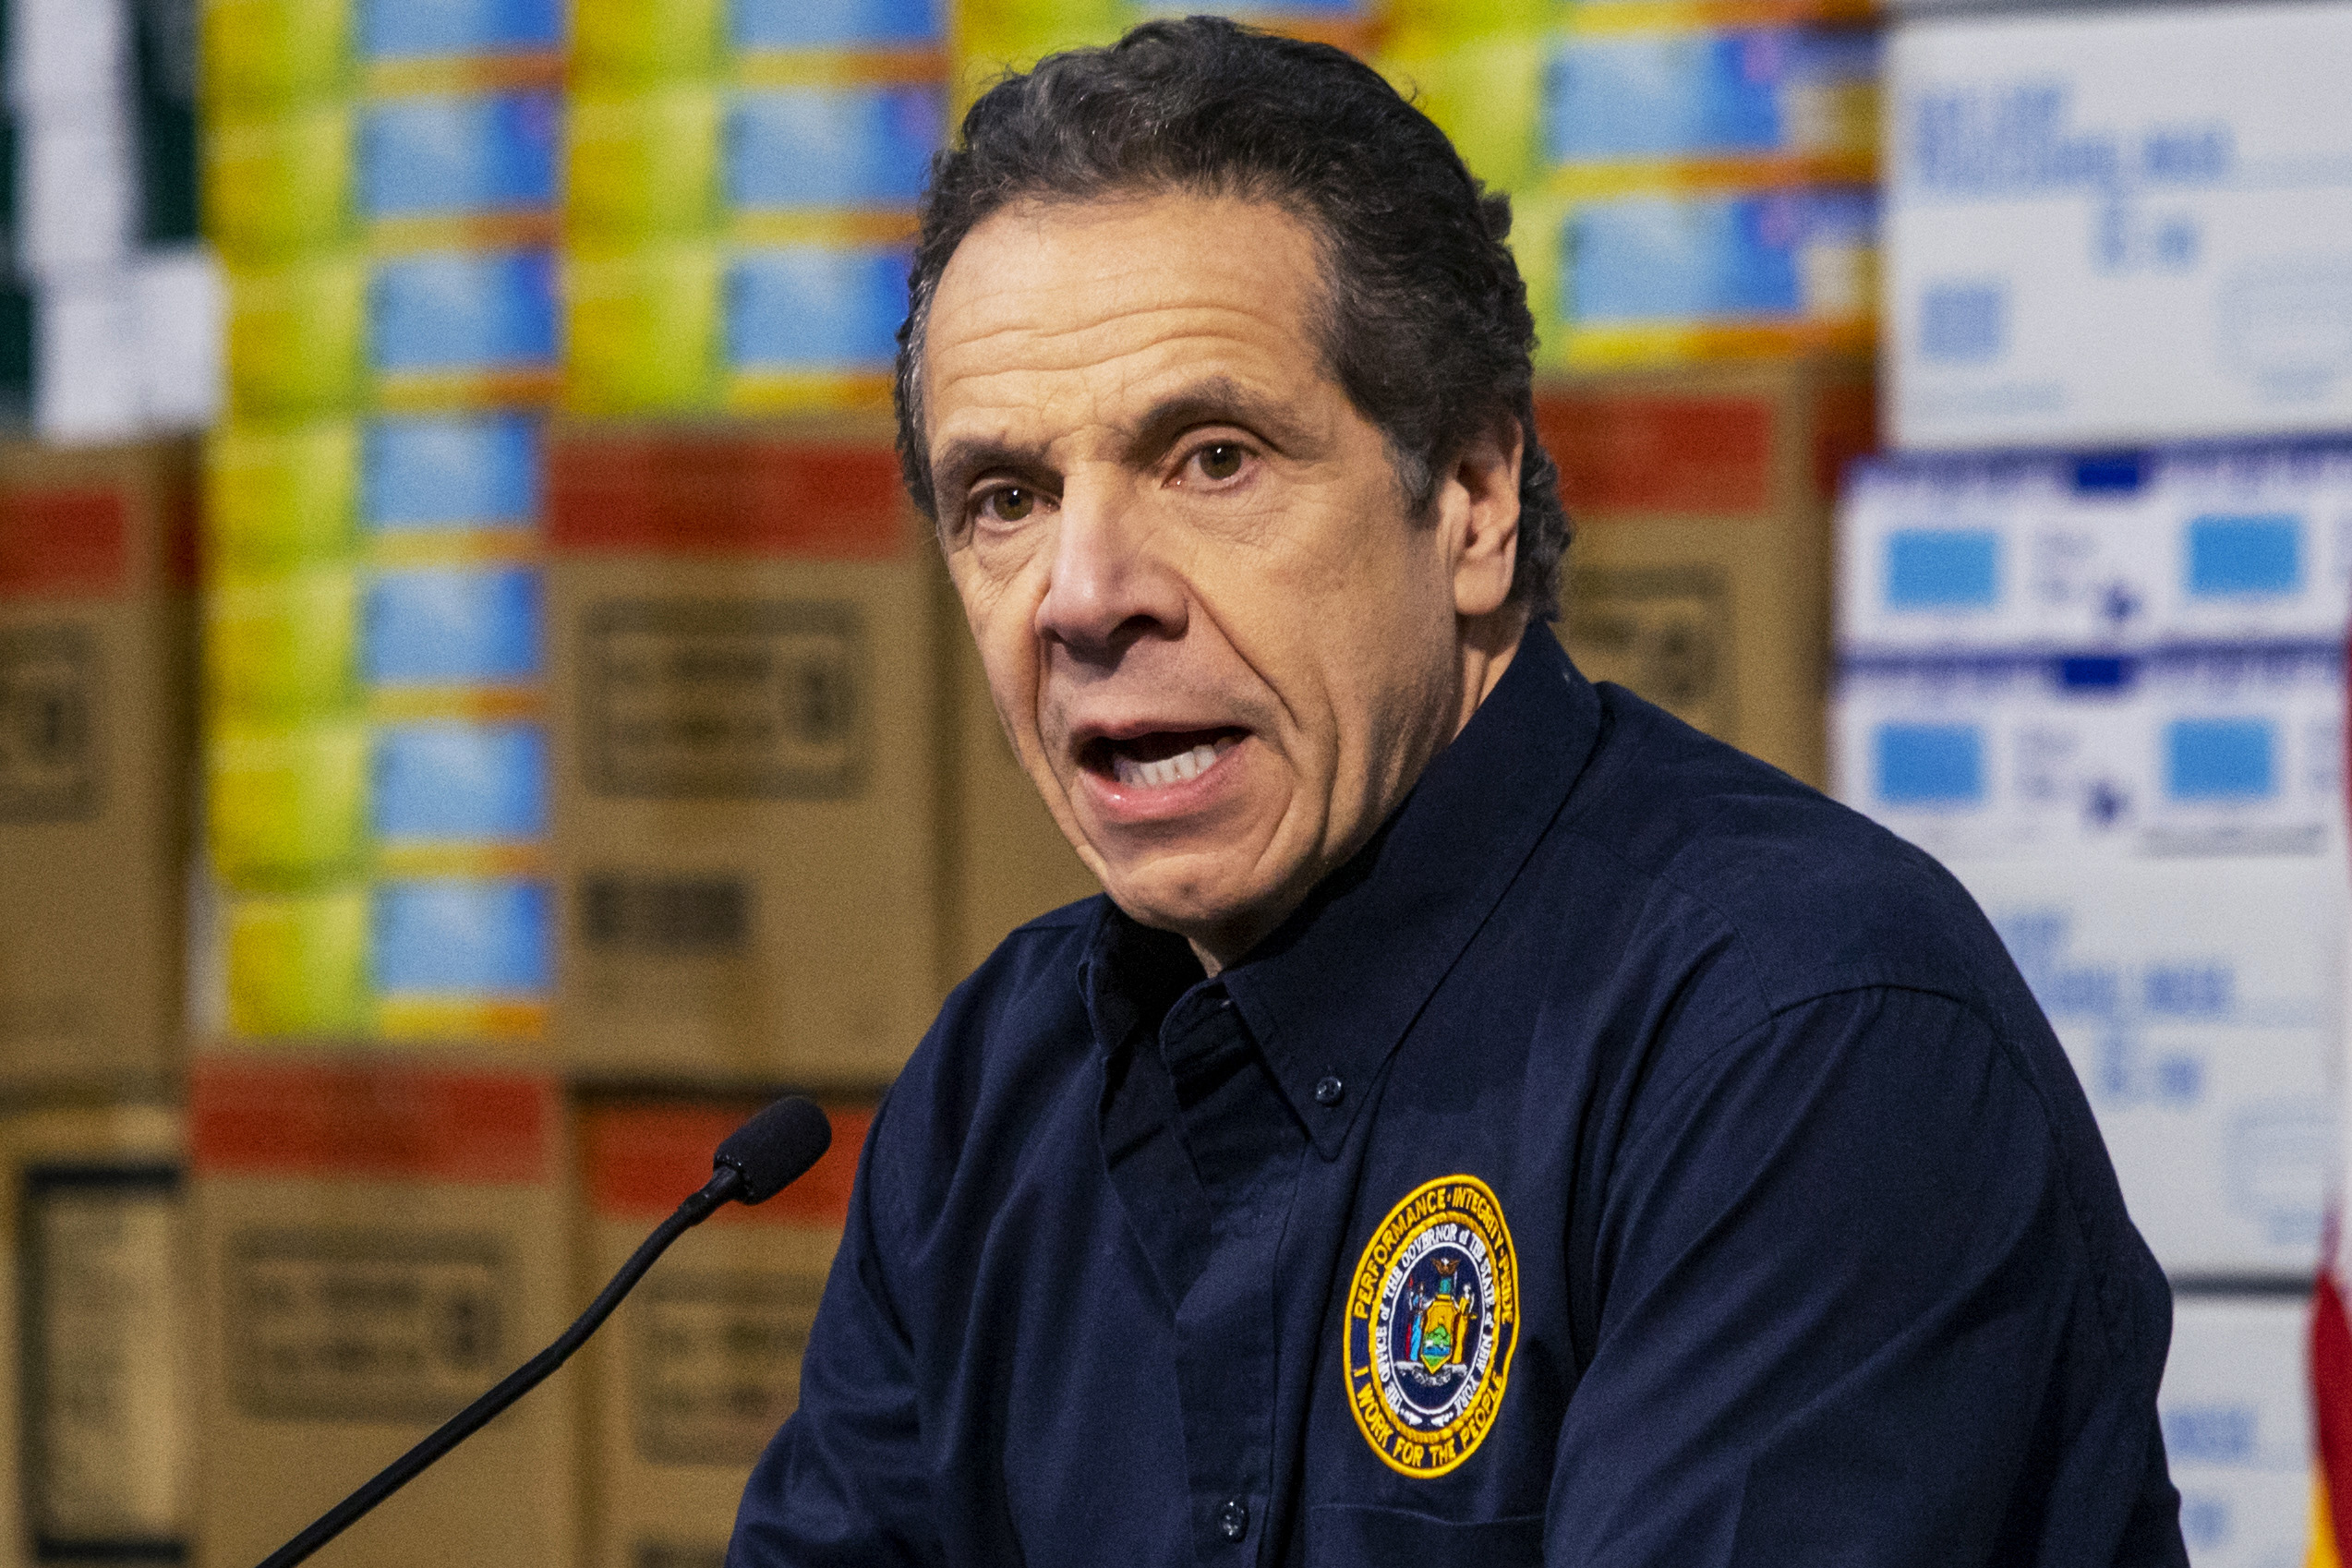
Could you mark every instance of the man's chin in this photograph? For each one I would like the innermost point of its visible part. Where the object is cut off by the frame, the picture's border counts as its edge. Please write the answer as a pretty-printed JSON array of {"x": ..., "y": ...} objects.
[{"x": 1220, "y": 918}]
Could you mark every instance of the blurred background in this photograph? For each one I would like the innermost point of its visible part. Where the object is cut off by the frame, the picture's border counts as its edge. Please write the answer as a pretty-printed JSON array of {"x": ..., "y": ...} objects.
[{"x": 477, "y": 715}]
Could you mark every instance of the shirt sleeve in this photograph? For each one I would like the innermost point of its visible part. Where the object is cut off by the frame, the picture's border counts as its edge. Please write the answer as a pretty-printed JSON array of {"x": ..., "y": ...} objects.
[
  {"x": 845, "y": 1480},
  {"x": 1847, "y": 1314}
]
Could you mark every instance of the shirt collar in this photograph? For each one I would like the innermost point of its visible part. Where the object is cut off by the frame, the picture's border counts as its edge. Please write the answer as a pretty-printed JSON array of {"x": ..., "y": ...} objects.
[{"x": 1330, "y": 993}]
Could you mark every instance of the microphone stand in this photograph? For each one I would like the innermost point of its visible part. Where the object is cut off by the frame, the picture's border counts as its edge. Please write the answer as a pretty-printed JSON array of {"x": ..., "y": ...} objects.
[{"x": 722, "y": 1186}]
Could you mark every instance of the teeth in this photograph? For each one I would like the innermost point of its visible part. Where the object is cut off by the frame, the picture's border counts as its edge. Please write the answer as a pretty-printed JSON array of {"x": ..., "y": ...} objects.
[{"x": 1168, "y": 770}]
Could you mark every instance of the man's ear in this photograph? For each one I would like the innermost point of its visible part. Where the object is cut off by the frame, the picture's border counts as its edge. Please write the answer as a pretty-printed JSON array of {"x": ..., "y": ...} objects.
[{"x": 1478, "y": 504}]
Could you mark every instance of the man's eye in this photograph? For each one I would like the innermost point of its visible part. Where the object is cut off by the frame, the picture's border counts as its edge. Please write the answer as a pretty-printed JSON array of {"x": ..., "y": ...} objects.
[
  {"x": 1220, "y": 460},
  {"x": 1011, "y": 504}
]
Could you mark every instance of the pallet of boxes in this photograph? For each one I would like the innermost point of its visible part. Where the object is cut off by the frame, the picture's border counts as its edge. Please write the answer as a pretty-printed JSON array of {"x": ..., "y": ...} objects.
[
  {"x": 380, "y": 1160},
  {"x": 2091, "y": 636}
]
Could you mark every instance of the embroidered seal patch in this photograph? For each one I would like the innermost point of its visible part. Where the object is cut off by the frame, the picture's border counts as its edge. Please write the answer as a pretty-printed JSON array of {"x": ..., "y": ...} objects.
[{"x": 1433, "y": 1318}]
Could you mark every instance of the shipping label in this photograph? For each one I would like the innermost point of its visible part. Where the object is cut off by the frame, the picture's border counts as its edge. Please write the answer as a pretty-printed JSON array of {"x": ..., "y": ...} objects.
[
  {"x": 364, "y": 1324},
  {"x": 1664, "y": 632},
  {"x": 50, "y": 688},
  {"x": 721, "y": 699},
  {"x": 104, "y": 1426},
  {"x": 717, "y": 1363}
]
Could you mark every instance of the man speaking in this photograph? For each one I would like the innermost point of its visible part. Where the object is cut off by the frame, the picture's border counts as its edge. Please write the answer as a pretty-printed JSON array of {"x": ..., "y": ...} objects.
[{"x": 1487, "y": 1122}]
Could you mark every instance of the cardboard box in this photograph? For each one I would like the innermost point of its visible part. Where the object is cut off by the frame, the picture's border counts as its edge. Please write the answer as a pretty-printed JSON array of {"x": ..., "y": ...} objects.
[
  {"x": 96, "y": 692},
  {"x": 1700, "y": 502},
  {"x": 2186, "y": 751},
  {"x": 2237, "y": 1410},
  {"x": 2231, "y": 545},
  {"x": 2119, "y": 227},
  {"x": 1008, "y": 859},
  {"x": 2200, "y": 1001},
  {"x": 96, "y": 1434},
  {"x": 747, "y": 751},
  {"x": 701, "y": 1365},
  {"x": 378, "y": 1243}
]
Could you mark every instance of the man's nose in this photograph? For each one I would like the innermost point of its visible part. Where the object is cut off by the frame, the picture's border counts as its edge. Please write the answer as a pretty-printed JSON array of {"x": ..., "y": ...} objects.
[{"x": 1110, "y": 585}]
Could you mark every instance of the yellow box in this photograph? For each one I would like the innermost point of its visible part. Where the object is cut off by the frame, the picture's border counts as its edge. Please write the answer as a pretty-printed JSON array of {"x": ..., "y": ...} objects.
[
  {"x": 263, "y": 56},
  {"x": 278, "y": 650},
  {"x": 297, "y": 964},
  {"x": 279, "y": 496},
  {"x": 276, "y": 188},
  {"x": 641, "y": 327},
  {"x": 644, "y": 164},
  {"x": 624, "y": 43},
  {"x": 288, "y": 807},
  {"x": 296, "y": 337}
]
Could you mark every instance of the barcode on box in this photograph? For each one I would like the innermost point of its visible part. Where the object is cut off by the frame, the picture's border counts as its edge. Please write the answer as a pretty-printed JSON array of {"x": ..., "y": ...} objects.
[{"x": 667, "y": 915}]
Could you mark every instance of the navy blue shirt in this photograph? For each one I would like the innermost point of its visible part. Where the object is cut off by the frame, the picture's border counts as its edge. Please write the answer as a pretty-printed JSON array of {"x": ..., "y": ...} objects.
[{"x": 1629, "y": 1157}]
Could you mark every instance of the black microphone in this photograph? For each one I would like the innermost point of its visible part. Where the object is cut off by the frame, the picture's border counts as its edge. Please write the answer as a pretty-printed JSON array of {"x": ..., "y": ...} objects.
[{"x": 754, "y": 1163}]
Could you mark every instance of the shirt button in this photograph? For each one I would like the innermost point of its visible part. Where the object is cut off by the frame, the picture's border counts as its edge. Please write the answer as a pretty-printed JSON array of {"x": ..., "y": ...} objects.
[
  {"x": 1233, "y": 1519},
  {"x": 1329, "y": 1090}
]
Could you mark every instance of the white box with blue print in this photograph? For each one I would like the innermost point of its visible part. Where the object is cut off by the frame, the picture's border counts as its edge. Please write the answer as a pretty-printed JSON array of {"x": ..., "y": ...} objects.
[
  {"x": 2120, "y": 227},
  {"x": 2182, "y": 751},
  {"x": 2119, "y": 552},
  {"x": 2237, "y": 1428},
  {"x": 2199, "y": 1000}
]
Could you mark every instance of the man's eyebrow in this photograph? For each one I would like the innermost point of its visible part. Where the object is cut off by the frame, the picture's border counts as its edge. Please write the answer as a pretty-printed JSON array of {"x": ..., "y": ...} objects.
[
  {"x": 964, "y": 458},
  {"x": 1213, "y": 399}
]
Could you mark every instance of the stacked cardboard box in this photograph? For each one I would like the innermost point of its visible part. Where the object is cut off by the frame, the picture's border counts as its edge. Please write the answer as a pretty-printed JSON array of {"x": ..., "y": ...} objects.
[
  {"x": 377, "y": 1243},
  {"x": 696, "y": 1370},
  {"x": 96, "y": 681},
  {"x": 95, "y": 1451},
  {"x": 2053, "y": 675},
  {"x": 1699, "y": 575},
  {"x": 747, "y": 718},
  {"x": 2109, "y": 688},
  {"x": 383, "y": 182}
]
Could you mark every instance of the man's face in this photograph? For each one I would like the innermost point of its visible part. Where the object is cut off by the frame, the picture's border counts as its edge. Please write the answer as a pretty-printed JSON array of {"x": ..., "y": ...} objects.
[{"x": 1222, "y": 645}]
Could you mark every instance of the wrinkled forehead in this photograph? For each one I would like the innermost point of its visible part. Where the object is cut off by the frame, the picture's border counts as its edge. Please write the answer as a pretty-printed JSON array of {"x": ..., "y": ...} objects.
[{"x": 1045, "y": 299}]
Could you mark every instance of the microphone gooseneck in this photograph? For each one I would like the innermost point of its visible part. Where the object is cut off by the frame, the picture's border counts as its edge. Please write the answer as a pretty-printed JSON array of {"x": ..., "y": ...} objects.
[{"x": 755, "y": 1162}]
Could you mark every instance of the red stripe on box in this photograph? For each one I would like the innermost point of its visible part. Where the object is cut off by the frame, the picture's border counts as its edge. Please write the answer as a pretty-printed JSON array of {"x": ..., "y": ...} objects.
[
  {"x": 1845, "y": 426},
  {"x": 2331, "y": 1353},
  {"x": 371, "y": 1120},
  {"x": 1629, "y": 455},
  {"x": 643, "y": 1161},
  {"x": 701, "y": 495},
  {"x": 63, "y": 542}
]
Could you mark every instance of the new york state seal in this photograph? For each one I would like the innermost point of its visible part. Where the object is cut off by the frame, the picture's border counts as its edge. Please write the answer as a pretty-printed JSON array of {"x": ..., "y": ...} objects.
[{"x": 1433, "y": 1318}]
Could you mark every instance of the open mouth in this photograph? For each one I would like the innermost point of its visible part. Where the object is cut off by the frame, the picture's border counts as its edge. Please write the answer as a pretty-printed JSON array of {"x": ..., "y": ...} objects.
[{"x": 1163, "y": 757}]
